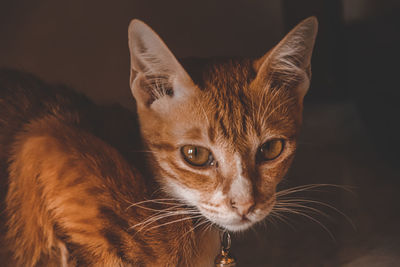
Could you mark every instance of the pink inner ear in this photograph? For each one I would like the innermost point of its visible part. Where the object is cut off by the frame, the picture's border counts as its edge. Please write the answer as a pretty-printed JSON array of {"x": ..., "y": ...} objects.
[{"x": 152, "y": 58}]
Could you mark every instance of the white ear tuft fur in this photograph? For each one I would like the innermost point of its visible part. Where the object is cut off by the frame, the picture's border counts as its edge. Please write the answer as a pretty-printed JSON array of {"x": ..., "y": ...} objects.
[{"x": 154, "y": 69}]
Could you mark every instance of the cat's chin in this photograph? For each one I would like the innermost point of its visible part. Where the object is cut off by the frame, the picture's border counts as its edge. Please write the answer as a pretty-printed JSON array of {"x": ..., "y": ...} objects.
[
  {"x": 237, "y": 227},
  {"x": 234, "y": 223}
]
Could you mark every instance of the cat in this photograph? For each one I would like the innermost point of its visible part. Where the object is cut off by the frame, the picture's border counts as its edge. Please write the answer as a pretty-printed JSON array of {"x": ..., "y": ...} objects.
[{"x": 205, "y": 151}]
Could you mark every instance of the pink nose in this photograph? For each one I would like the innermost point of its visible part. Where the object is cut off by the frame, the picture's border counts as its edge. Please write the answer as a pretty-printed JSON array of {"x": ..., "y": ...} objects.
[{"x": 242, "y": 208}]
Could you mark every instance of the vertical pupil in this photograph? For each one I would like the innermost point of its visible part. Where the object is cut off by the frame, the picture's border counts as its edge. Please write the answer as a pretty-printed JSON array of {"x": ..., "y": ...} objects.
[
  {"x": 192, "y": 152},
  {"x": 267, "y": 147}
]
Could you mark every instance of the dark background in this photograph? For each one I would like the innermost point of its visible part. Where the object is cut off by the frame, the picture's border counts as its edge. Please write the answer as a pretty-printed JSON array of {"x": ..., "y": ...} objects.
[{"x": 350, "y": 135}]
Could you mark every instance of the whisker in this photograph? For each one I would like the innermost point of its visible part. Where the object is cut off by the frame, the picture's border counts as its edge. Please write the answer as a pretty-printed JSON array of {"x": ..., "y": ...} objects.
[
  {"x": 196, "y": 226},
  {"x": 282, "y": 218},
  {"x": 207, "y": 227},
  {"x": 302, "y": 200},
  {"x": 308, "y": 187},
  {"x": 309, "y": 217},
  {"x": 170, "y": 213},
  {"x": 155, "y": 192},
  {"x": 175, "y": 221},
  {"x": 165, "y": 201},
  {"x": 159, "y": 211},
  {"x": 167, "y": 214},
  {"x": 269, "y": 219},
  {"x": 295, "y": 205}
]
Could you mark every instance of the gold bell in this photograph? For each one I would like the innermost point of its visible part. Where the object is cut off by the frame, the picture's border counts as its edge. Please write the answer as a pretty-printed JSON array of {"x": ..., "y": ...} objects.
[{"x": 225, "y": 259}]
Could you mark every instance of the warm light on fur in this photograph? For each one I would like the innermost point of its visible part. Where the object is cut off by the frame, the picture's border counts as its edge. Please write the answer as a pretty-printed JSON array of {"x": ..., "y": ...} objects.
[{"x": 84, "y": 192}]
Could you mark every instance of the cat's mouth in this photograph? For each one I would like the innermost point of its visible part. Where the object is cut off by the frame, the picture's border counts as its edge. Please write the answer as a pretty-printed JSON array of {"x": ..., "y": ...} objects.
[{"x": 228, "y": 220}]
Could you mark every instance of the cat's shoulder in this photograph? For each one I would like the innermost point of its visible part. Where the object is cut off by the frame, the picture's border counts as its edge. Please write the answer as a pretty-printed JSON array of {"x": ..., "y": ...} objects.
[{"x": 51, "y": 116}]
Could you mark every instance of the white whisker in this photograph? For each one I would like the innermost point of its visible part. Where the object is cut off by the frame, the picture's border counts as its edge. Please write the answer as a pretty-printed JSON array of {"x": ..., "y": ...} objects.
[
  {"x": 300, "y": 206},
  {"x": 165, "y": 201},
  {"x": 282, "y": 218},
  {"x": 196, "y": 226},
  {"x": 296, "y": 201},
  {"x": 308, "y": 187},
  {"x": 166, "y": 214},
  {"x": 288, "y": 210},
  {"x": 175, "y": 221}
]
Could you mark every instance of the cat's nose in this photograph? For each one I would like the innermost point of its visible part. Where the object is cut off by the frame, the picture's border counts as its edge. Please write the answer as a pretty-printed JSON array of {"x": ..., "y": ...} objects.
[{"x": 243, "y": 207}]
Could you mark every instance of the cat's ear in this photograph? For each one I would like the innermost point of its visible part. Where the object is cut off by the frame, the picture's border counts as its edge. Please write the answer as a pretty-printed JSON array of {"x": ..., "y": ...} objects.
[
  {"x": 288, "y": 64},
  {"x": 155, "y": 72}
]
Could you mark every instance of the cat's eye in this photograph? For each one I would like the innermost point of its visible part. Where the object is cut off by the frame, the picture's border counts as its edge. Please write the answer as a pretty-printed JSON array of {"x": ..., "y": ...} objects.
[
  {"x": 270, "y": 150},
  {"x": 197, "y": 156}
]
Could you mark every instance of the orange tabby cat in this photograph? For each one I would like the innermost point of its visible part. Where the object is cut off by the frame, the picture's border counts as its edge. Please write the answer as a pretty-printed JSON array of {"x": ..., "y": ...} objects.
[{"x": 212, "y": 145}]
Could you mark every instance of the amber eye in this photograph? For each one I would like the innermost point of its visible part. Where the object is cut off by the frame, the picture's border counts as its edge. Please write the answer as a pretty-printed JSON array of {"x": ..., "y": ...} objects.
[
  {"x": 197, "y": 155},
  {"x": 270, "y": 150}
]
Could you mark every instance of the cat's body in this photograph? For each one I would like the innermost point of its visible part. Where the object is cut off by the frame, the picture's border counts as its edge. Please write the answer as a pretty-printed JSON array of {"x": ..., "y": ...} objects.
[
  {"x": 77, "y": 192},
  {"x": 55, "y": 138}
]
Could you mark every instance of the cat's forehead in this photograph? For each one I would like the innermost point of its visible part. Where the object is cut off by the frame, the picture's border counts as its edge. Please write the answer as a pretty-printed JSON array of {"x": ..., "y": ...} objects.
[
  {"x": 226, "y": 75},
  {"x": 229, "y": 77},
  {"x": 235, "y": 106}
]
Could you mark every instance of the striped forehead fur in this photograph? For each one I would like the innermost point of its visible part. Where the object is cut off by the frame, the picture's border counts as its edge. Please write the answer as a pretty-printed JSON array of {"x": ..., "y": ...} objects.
[{"x": 239, "y": 104}]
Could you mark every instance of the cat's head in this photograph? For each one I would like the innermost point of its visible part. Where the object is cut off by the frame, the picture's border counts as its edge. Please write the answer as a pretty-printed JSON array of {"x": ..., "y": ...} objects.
[{"x": 222, "y": 144}]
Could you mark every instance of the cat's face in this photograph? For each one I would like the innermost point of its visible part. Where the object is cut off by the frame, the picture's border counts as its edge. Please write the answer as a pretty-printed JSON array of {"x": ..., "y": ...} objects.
[{"x": 224, "y": 145}]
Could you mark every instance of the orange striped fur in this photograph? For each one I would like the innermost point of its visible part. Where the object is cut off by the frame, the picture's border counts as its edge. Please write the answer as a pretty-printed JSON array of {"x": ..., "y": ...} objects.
[{"x": 93, "y": 186}]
